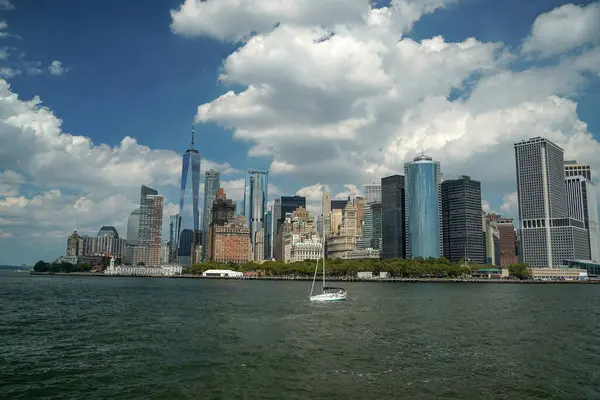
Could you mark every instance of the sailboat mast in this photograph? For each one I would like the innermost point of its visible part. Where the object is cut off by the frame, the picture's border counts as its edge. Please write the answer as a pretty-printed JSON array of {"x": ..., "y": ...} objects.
[
  {"x": 323, "y": 253},
  {"x": 314, "y": 278}
]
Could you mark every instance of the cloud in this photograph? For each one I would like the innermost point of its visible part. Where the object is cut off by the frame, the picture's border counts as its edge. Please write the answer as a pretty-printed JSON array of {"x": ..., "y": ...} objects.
[
  {"x": 10, "y": 182},
  {"x": 564, "y": 28},
  {"x": 312, "y": 193},
  {"x": 56, "y": 68},
  {"x": 353, "y": 100},
  {"x": 3, "y": 26},
  {"x": 6, "y": 5},
  {"x": 510, "y": 205},
  {"x": 72, "y": 182},
  {"x": 236, "y": 20},
  {"x": 3, "y": 54},
  {"x": 6, "y": 72}
]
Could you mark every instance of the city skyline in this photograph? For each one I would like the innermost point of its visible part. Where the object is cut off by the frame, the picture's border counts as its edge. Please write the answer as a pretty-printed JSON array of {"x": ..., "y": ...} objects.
[{"x": 52, "y": 183}]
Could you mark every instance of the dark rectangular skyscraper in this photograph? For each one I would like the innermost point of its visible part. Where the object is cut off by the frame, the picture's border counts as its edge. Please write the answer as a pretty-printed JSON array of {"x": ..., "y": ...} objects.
[
  {"x": 286, "y": 204},
  {"x": 393, "y": 217},
  {"x": 461, "y": 220}
]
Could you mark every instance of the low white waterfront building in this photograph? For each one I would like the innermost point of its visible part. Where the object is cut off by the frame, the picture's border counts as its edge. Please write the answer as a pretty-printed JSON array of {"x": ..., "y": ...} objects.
[
  {"x": 222, "y": 273},
  {"x": 130, "y": 270}
]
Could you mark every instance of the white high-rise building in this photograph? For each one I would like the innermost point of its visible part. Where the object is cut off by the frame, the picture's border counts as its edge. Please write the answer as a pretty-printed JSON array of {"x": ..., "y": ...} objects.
[
  {"x": 133, "y": 227},
  {"x": 373, "y": 193},
  {"x": 549, "y": 235},
  {"x": 582, "y": 203}
]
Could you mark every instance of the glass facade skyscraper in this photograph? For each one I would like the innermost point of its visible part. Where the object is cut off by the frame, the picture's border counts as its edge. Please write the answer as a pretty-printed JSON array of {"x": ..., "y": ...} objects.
[
  {"x": 462, "y": 224},
  {"x": 189, "y": 212},
  {"x": 423, "y": 212},
  {"x": 212, "y": 182},
  {"x": 393, "y": 217},
  {"x": 255, "y": 201}
]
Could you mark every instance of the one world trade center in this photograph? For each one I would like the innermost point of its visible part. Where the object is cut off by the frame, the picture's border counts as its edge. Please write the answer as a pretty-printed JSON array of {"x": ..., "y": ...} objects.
[{"x": 188, "y": 228}]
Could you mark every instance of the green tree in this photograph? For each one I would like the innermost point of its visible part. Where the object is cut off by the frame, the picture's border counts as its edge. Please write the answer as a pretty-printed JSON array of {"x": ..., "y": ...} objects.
[
  {"x": 520, "y": 271},
  {"x": 41, "y": 266}
]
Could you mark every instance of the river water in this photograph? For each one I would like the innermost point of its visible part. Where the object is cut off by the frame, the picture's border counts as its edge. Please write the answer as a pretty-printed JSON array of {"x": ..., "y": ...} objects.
[{"x": 135, "y": 338}]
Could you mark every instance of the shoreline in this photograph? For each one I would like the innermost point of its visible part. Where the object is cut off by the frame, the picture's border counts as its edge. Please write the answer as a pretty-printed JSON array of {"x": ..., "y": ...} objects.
[{"x": 329, "y": 279}]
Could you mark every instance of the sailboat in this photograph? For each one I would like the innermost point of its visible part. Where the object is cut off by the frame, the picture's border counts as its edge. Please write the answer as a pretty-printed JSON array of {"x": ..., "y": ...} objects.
[{"x": 329, "y": 293}]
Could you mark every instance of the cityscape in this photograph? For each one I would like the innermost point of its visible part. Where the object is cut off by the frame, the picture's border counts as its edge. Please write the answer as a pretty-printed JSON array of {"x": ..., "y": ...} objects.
[
  {"x": 418, "y": 215},
  {"x": 299, "y": 199}
]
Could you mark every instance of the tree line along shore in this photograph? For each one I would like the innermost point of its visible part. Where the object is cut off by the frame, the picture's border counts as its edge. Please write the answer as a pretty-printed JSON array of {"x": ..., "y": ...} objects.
[{"x": 336, "y": 268}]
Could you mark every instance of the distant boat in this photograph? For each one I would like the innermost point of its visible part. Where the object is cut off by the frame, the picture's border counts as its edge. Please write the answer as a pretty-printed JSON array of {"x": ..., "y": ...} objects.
[{"x": 328, "y": 293}]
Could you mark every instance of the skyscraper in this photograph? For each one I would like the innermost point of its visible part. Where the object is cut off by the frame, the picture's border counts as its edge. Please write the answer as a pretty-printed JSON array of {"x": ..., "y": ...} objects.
[
  {"x": 212, "y": 183},
  {"x": 285, "y": 205},
  {"x": 373, "y": 193},
  {"x": 461, "y": 220},
  {"x": 151, "y": 212},
  {"x": 423, "y": 209},
  {"x": 583, "y": 205},
  {"x": 133, "y": 227},
  {"x": 268, "y": 234},
  {"x": 393, "y": 217},
  {"x": 326, "y": 210},
  {"x": 573, "y": 168},
  {"x": 189, "y": 212},
  {"x": 144, "y": 219},
  {"x": 548, "y": 234},
  {"x": 173, "y": 238},
  {"x": 508, "y": 238},
  {"x": 255, "y": 201}
]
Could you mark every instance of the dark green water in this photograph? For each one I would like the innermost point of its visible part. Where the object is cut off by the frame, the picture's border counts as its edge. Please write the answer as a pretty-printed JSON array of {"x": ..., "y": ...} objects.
[{"x": 124, "y": 338}]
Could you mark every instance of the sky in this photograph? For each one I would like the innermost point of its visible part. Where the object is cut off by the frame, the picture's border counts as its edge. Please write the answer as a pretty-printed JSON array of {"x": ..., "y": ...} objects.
[{"x": 98, "y": 98}]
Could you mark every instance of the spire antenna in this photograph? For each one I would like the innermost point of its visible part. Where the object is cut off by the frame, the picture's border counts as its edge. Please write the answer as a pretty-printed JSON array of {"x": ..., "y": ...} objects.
[{"x": 193, "y": 129}]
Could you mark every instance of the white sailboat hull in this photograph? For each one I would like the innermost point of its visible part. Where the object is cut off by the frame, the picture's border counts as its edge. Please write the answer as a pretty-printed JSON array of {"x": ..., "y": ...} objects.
[{"x": 329, "y": 297}]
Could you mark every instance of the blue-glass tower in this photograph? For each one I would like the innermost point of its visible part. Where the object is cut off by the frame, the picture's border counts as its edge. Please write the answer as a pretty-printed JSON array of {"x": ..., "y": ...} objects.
[
  {"x": 212, "y": 183},
  {"x": 189, "y": 211},
  {"x": 423, "y": 207},
  {"x": 255, "y": 201}
]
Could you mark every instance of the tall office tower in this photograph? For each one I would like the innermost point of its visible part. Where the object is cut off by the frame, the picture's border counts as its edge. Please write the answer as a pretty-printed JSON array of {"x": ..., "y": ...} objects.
[
  {"x": 73, "y": 245},
  {"x": 359, "y": 204},
  {"x": 275, "y": 228},
  {"x": 585, "y": 196},
  {"x": 461, "y": 220},
  {"x": 348, "y": 226},
  {"x": 338, "y": 204},
  {"x": 222, "y": 213},
  {"x": 212, "y": 183},
  {"x": 326, "y": 210},
  {"x": 144, "y": 227},
  {"x": 393, "y": 215},
  {"x": 133, "y": 227},
  {"x": 151, "y": 213},
  {"x": 548, "y": 234},
  {"x": 319, "y": 224},
  {"x": 508, "y": 245},
  {"x": 255, "y": 200},
  {"x": 422, "y": 178},
  {"x": 268, "y": 233},
  {"x": 373, "y": 193},
  {"x": 173, "y": 237},
  {"x": 573, "y": 168},
  {"x": 583, "y": 206},
  {"x": 364, "y": 242},
  {"x": 376, "y": 236},
  {"x": 286, "y": 205},
  {"x": 189, "y": 212},
  {"x": 491, "y": 238}
]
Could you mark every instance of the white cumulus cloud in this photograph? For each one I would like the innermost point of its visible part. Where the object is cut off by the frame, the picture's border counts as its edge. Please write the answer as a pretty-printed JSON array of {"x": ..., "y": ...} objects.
[
  {"x": 564, "y": 28},
  {"x": 56, "y": 68}
]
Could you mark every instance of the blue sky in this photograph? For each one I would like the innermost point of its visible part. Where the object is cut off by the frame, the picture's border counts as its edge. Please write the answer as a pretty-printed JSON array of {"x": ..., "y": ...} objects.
[{"x": 134, "y": 70}]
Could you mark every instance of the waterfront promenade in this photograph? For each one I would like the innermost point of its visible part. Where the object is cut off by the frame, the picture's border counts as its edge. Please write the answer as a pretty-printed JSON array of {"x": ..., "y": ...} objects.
[{"x": 329, "y": 279}]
